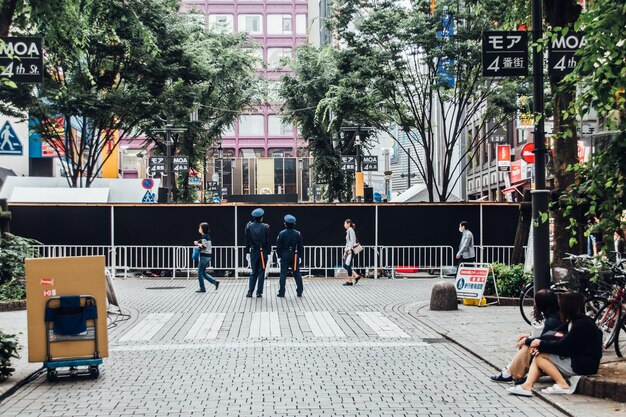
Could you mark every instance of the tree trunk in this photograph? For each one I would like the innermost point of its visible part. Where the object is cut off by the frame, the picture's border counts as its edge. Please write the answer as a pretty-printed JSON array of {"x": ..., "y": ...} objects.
[
  {"x": 6, "y": 16},
  {"x": 562, "y": 13}
]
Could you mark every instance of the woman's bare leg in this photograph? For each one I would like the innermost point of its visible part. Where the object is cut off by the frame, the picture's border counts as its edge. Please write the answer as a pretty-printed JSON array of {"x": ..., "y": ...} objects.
[{"x": 544, "y": 363}]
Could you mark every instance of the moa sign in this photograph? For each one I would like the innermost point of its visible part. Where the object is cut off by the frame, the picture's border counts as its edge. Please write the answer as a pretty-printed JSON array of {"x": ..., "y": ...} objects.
[{"x": 21, "y": 59}]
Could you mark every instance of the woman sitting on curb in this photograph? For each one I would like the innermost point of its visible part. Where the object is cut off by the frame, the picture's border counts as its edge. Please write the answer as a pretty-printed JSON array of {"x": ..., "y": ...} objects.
[
  {"x": 546, "y": 308},
  {"x": 576, "y": 353}
]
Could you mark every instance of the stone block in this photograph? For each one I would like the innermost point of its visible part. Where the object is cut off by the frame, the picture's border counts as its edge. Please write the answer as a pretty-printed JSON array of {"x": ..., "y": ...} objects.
[{"x": 443, "y": 297}]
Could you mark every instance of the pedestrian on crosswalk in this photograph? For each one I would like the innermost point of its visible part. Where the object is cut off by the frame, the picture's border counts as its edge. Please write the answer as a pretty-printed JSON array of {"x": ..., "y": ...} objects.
[
  {"x": 206, "y": 249},
  {"x": 258, "y": 248},
  {"x": 290, "y": 249},
  {"x": 348, "y": 253}
]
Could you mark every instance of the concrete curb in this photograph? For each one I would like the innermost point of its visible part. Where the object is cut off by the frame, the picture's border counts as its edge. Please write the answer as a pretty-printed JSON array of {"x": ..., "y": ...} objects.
[{"x": 12, "y": 305}]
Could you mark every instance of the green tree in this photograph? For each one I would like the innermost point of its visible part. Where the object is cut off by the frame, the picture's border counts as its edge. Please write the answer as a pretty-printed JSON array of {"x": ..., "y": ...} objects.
[
  {"x": 318, "y": 101},
  {"x": 113, "y": 66},
  {"x": 561, "y": 14},
  {"x": 600, "y": 79},
  {"x": 426, "y": 66}
]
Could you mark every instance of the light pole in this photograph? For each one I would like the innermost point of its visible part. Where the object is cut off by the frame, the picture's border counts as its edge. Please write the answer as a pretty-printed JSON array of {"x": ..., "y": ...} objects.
[
  {"x": 168, "y": 130},
  {"x": 540, "y": 196},
  {"x": 408, "y": 175},
  {"x": 388, "y": 173},
  {"x": 358, "y": 143}
]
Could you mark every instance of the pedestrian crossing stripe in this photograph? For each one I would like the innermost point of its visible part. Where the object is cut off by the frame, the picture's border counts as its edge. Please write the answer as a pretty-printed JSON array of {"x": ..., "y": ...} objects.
[
  {"x": 382, "y": 325},
  {"x": 206, "y": 326},
  {"x": 147, "y": 328},
  {"x": 9, "y": 142},
  {"x": 262, "y": 325},
  {"x": 323, "y": 324},
  {"x": 148, "y": 197}
]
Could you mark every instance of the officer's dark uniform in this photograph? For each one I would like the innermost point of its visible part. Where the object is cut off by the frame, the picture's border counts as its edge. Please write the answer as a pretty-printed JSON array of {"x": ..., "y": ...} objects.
[
  {"x": 290, "y": 249},
  {"x": 258, "y": 246}
]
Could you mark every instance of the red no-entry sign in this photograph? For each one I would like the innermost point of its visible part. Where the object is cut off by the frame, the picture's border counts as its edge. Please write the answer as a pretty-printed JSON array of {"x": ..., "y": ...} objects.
[{"x": 528, "y": 154}]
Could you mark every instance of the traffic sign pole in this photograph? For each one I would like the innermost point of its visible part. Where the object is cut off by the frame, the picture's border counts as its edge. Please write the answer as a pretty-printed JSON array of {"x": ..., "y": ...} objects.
[{"x": 541, "y": 236}]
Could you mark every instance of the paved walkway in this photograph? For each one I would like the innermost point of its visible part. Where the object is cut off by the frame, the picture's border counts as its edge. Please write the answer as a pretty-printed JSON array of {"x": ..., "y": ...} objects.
[{"x": 366, "y": 350}]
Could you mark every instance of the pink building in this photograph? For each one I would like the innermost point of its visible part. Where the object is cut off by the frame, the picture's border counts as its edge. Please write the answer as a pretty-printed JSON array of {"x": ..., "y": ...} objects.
[{"x": 276, "y": 28}]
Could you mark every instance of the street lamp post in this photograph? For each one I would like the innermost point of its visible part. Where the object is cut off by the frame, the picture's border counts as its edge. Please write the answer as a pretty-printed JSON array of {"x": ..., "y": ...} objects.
[
  {"x": 408, "y": 175},
  {"x": 168, "y": 130},
  {"x": 540, "y": 196}
]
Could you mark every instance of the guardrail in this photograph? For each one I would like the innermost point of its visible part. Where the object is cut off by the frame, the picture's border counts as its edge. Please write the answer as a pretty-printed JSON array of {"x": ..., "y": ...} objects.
[{"x": 317, "y": 260}]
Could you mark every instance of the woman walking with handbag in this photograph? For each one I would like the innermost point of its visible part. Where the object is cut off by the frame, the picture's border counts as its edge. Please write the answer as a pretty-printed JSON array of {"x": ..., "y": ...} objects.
[{"x": 352, "y": 247}]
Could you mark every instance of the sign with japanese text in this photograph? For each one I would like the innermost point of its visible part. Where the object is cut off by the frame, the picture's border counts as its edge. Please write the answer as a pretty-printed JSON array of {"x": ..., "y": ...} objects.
[
  {"x": 562, "y": 53},
  {"x": 505, "y": 54},
  {"x": 504, "y": 158},
  {"x": 471, "y": 281},
  {"x": 157, "y": 164},
  {"x": 21, "y": 59},
  {"x": 348, "y": 163}
]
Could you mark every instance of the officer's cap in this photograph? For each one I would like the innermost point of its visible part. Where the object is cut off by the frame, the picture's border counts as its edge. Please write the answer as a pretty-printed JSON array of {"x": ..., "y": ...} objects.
[
  {"x": 259, "y": 212},
  {"x": 289, "y": 219}
]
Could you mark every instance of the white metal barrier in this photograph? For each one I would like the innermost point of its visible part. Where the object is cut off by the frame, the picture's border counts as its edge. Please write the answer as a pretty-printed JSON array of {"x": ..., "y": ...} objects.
[{"x": 317, "y": 260}]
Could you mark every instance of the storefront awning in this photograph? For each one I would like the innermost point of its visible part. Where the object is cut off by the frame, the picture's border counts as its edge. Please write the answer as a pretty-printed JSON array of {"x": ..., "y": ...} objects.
[{"x": 515, "y": 187}]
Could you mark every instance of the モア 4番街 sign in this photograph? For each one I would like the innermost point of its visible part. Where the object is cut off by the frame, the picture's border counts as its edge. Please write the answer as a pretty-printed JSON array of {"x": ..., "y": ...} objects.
[
  {"x": 21, "y": 59},
  {"x": 505, "y": 54}
]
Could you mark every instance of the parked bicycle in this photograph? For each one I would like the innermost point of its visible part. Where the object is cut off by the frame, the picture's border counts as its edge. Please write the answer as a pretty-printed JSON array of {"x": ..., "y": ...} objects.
[{"x": 590, "y": 277}]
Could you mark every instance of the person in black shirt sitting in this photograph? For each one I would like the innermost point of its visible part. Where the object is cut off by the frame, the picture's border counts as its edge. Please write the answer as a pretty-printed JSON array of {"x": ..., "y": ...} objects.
[
  {"x": 576, "y": 353},
  {"x": 546, "y": 310}
]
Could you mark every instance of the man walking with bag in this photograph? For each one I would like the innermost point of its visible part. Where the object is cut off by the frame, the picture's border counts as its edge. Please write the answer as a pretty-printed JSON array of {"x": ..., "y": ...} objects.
[
  {"x": 290, "y": 249},
  {"x": 258, "y": 247}
]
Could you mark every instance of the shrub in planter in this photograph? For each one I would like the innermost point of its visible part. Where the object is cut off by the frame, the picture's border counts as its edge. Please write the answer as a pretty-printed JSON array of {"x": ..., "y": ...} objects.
[
  {"x": 8, "y": 351},
  {"x": 13, "y": 290},
  {"x": 510, "y": 280},
  {"x": 13, "y": 250}
]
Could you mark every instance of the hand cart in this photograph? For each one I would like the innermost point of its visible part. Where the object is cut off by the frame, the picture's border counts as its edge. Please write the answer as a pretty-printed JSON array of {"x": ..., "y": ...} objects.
[{"x": 71, "y": 319}]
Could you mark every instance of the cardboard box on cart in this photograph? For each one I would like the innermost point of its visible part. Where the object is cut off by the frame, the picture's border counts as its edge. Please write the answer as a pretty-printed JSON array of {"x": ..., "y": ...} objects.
[{"x": 50, "y": 277}]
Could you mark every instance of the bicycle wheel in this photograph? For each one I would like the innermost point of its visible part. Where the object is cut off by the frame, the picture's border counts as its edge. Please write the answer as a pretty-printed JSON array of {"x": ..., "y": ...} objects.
[
  {"x": 593, "y": 305},
  {"x": 607, "y": 321},
  {"x": 527, "y": 296},
  {"x": 620, "y": 337}
]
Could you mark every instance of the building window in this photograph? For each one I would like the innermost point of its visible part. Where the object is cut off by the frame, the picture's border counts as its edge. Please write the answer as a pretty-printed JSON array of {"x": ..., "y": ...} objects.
[
  {"x": 301, "y": 26},
  {"x": 272, "y": 91},
  {"x": 276, "y": 55},
  {"x": 251, "y": 125},
  {"x": 279, "y": 24},
  {"x": 221, "y": 23},
  {"x": 276, "y": 127},
  {"x": 251, "y": 23}
]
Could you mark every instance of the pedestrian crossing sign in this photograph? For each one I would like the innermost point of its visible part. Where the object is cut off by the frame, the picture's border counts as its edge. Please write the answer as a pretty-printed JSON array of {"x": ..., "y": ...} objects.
[
  {"x": 9, "y": 142},
  {"x": 148, "y": 197}
]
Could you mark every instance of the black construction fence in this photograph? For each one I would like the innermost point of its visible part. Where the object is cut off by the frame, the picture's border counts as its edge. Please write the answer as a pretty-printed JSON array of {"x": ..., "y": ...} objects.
[{"x": 418, "y": 224}]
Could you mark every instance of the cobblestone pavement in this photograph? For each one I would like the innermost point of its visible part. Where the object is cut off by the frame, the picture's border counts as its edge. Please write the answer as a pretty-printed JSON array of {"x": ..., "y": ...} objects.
[{"x": 338, "y": 351}]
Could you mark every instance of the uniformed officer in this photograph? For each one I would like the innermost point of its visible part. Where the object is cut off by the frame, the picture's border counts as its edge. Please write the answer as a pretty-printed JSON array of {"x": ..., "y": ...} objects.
[
  {"x": 290, "y": 249},
  {"x": 258, "y": 246}
]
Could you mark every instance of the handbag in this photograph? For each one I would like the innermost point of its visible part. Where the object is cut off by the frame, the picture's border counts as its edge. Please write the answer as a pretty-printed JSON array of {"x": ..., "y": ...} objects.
[
  {"x": 196, "y": 254},
  {"x": 552, "y": 335},
  {"x": 356, "y": 249}
]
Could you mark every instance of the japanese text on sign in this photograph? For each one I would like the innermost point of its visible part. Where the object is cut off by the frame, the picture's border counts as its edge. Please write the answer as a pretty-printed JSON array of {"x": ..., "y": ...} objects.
[
  {"x": 505, "y": 54},
  {"x": 470, "y": 282},
  {"x": 348, "y": 163}
]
